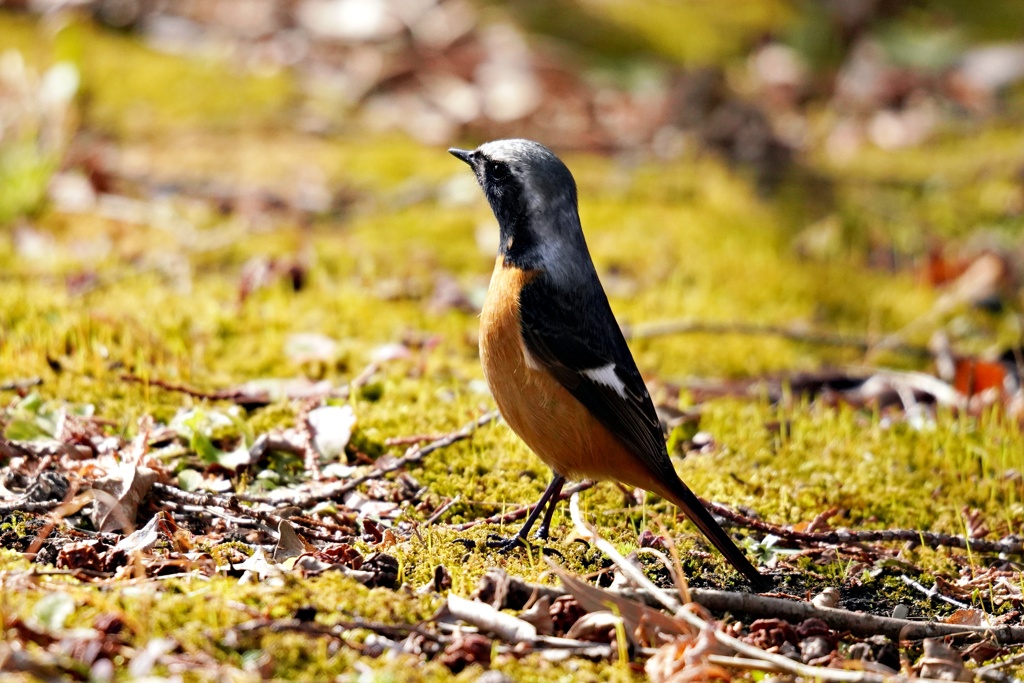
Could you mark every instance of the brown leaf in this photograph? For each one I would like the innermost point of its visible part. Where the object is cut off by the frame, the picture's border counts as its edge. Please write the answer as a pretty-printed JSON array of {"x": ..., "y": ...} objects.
[
  {"x": 126, "y": 488},
  {"x": 966, "y": 617},
  {"x": 81, "y": 555},
  {"x": 941, "y": 661},
  {"x": 684, "y": 659},
  {"x": 341, "y": 553},
  {"x": 596, "y": 627},
  {"x": 973, "y": 376},
  {"x": 289, "y": 543},
  {"x": 467, "y": 649},
  {"x": 647, "y": 623},
  {"x": 384, "y": 569},
  {"x": 539, "y": 615},
  {"x": 565, "y": 611}
]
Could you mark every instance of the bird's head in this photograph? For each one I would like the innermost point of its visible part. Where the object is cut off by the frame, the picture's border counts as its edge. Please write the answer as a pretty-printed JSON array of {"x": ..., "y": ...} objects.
[{"x": 532, "y": 194}]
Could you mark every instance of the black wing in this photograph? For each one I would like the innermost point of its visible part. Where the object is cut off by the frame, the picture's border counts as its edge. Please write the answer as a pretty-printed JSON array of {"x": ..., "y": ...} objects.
[
  {"x": 576, "y": 337},
  {"x": 573, "y": 334}
]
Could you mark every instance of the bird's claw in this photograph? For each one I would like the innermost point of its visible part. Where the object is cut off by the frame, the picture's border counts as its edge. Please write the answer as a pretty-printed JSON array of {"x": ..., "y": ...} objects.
[{"x": 505, "y": 544}]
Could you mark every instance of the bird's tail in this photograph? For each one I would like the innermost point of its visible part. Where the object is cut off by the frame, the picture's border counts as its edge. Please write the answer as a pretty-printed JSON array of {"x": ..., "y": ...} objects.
[{"x": 680, "y": 494}]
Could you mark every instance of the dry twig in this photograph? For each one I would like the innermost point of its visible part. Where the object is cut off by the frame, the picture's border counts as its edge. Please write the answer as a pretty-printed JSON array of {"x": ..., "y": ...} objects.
[
  {"x": 792, "y": 333},
  {"x": 413, "y": 455},
  {"x": 232, "y": 503},
  {"x": 931, "y": 539},
  {"x": 635, "y": 575}
]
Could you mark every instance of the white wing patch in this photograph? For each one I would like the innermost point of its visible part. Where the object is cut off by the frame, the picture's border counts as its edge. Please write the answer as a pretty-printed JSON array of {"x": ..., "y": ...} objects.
[{"x": 605, "y": 375}]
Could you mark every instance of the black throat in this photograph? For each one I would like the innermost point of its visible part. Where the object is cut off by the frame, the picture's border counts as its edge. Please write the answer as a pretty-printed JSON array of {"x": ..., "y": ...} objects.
[{"x": 519, "y": 243}]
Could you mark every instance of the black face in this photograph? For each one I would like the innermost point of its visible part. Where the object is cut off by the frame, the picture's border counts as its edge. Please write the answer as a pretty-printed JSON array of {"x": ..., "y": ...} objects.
[{"x": 504, "y": 192}]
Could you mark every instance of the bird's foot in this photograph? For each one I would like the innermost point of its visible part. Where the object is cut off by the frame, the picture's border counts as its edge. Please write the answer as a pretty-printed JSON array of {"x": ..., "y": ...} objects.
[
  {"x": 543, "y": 533},
  {"x": 504, "y": 544},
  {"x": 468, "y": 542}
]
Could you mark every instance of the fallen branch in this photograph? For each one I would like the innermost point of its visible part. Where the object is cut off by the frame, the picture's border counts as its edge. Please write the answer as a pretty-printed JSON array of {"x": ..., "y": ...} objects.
[
  {"x": 413, "y": 455},
  {"x": 336, "y": 630},
  {"x": 310, "y": 454},
  {"x": 857, "y": 623},
  {"x": 220, "y": 395},
  {"x": 411, "y": 440},
  {"x": 792, "y": 333},
  {"x": 232, "y": 503},
  {"x": 34, "y": 507},
  {"x": 637, "y": 577},
  {"x": 504, "y": 626},
  {"x": 933, "y": 592},
  {"x": 932, "y": 539},
  {"x": 512, "y": 630},
  {"x": 439, "y": 512},
  {"x": 243, "y": 396},
  {"x": 762, "y": 606}
]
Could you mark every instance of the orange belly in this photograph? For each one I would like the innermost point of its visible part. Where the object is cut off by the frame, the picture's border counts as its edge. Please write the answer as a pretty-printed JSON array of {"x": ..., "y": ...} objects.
[{"x": 557, "y": 427}]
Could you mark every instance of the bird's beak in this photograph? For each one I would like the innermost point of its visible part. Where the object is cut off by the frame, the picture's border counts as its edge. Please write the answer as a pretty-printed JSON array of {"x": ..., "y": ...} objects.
[{"x": 464, "y": 154}]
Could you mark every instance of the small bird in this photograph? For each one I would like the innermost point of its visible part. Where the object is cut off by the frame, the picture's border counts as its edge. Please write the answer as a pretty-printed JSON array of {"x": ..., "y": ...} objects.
[{"x": 552, "y": 352}]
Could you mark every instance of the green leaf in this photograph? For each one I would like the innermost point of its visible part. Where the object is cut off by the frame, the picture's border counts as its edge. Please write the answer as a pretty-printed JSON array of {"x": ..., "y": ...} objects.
[
  {"x": 32, "y": 418},
  {"x": 190, "y": 480},
  {"x": 53, "y": 610}
]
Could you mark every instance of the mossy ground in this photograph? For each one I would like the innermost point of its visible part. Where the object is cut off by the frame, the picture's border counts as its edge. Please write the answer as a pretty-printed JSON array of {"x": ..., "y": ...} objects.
[{"x": 686, "y": 239}]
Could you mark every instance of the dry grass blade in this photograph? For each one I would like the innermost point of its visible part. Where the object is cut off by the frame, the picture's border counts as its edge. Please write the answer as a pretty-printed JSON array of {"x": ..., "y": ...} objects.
[{"x": 774, "y": 662}]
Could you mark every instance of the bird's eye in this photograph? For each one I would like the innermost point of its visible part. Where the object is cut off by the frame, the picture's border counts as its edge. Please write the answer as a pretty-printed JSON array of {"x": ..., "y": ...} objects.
[{"x": 497, "y": 171}]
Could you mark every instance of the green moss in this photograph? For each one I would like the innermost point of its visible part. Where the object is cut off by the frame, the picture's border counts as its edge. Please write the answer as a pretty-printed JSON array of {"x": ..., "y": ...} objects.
[
  {"x": 959, "y": 184},
  {"x": 682, "y": 240},
  {"x": 613, "y": 35},
  {"x": 24, "y": 173},
  {"x": 11, "y": 560}
]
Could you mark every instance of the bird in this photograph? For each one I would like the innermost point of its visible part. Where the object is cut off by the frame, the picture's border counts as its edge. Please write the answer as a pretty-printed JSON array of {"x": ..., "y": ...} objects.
[{"x": 553, "y": 354}]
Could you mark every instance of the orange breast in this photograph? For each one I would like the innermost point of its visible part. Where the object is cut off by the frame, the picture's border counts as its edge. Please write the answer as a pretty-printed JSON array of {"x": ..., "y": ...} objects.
[{"x": 557, "y": 427}]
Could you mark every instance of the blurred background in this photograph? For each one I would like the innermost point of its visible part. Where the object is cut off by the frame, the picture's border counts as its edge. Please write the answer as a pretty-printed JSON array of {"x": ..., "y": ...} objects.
[{"x": 855, "y": 166}]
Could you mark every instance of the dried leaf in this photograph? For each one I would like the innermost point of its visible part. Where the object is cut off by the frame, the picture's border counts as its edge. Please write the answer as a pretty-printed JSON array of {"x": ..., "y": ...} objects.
[
  {"x": 649, "y": 624},
  {"x": 257, "y": 564},
  {"x": 465, "y": 650},
  {"x": 81, "y": 555},
  {"x": 142, "y": 539},
  {"x": 942, "y": 662},
  {"x": 966, "y": 617},
  {"x": 332, "y": 428},
  {"x": 684, "y": 659},
  {"x": 147, "y": 658},
  {"x": 128, "y": 486},
  {"x": 596, "y": 627},
  {"x": 289, "y": 543},
  {"x": 539, "y": 614}
]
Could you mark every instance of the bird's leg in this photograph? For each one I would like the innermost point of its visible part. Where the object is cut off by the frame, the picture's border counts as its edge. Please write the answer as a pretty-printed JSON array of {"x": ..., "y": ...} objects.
[
  {"x": 545, "y": 525},
  {"x": 506, "y": 544}
]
